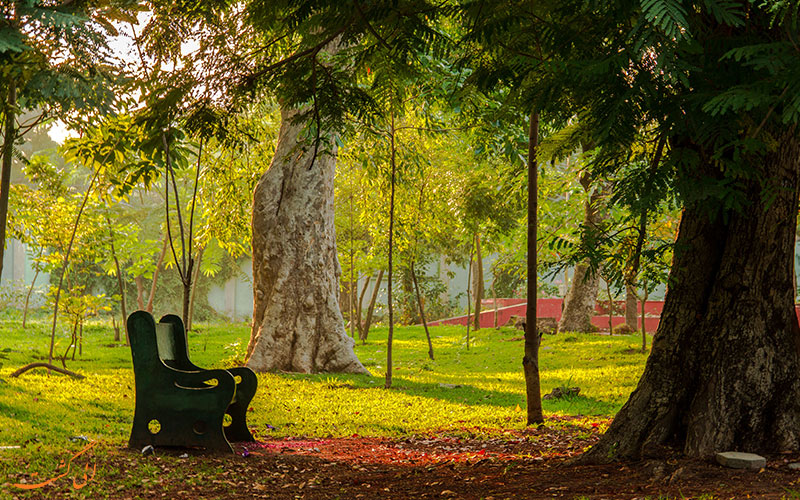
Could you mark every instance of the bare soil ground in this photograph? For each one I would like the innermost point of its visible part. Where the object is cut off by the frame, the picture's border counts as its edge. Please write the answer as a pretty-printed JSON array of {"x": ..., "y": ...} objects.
[{"x": 535, "y": 463}]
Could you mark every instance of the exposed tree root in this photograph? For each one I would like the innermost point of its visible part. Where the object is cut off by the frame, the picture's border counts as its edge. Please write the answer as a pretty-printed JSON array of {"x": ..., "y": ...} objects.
[{"x": 46, "y": 365}]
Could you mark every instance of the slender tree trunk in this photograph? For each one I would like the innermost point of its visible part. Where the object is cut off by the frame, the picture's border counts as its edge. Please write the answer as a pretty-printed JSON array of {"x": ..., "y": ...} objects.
[
  {"x": 9, "y": 136},
  {"x": 477, "y": 282},
  {"x": 297, "y": 322},
  {"x": 530, "y": 361},
  {"x": 391, "y": 269},
  {"x": 28, "y": 297},
  {"x": 582, "y": 294},
  {"x": 187, "y": 292},
  {"x": 115, "y": 327},
  {"x": 159, "y": 265},
  {"x": 645, "y": 295},
  {"x": 422, "y": 311},
  {"x": 610, "y": 307},
  {"x": 65, "y": 266},
  {"x": 359, "y": 306},
  {"x": 494, "y": 299},
  {"x": 469, "y": 288},
  {"x": 722, "y": 372},
  {"x": 353, "y": 284},
  {"x": 139, "y": 281},
  {"x": 120, "y": 283},
  {"x": 195, "y": 280},
  {"x": 371, "y": 307}
]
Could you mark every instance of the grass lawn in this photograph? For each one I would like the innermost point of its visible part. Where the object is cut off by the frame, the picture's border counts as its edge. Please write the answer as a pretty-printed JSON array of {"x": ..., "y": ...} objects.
[{"x": 475, "y": 392}]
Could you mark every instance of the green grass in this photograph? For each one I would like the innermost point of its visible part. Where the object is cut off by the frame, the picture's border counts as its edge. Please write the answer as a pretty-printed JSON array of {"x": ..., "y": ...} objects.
[
  {"x": 479, "y": 388},
  {"x": 475, "y": 391}
]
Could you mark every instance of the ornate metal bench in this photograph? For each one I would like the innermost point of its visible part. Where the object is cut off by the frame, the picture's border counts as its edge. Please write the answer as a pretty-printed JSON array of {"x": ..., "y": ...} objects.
[{"x": 178, "y": 403}]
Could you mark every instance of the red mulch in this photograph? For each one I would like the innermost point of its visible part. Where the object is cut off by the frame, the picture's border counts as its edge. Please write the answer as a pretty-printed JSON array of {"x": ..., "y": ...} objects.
[{"x": 534, "y": 463}]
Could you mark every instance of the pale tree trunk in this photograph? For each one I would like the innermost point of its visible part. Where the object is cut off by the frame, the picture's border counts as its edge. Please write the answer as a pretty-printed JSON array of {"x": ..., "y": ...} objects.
[
  {"x": 631, "y": 314},
  {"x": 582, "y": 295},
  {"x": 722, "y": 372},
  {"x": 297, "y": 323},
  {"x": 477, "y": 282}
]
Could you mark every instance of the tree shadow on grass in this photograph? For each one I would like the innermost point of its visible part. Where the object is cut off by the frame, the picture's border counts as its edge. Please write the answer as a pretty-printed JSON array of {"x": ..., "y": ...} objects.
[{"x": 467, "y": 394}]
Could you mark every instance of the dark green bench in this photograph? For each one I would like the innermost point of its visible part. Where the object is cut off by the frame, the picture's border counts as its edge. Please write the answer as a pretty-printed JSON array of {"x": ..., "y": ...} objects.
[{"x": 178, "y": 403}]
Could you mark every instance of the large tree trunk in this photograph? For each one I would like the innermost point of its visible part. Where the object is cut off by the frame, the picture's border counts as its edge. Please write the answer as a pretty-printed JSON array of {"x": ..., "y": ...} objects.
[
  {"x": 723, "y": 370},
  {"x": 297, "y": 324},
  {"x": 582, "y": 295}
]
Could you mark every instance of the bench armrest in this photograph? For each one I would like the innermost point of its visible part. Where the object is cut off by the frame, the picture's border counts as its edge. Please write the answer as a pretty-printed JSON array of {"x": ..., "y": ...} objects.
[{"x": 195, "y": 380}]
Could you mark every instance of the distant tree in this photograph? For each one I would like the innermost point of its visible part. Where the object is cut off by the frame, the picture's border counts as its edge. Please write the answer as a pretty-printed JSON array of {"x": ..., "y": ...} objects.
[{"x": 55, "y": 60}]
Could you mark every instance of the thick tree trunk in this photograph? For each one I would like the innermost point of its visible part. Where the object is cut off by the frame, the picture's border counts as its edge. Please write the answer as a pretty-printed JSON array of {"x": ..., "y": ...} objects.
[
  {"x": 477, "y": 282},
  {"x": 723, "y": 370},
  {"x": 580, "y": 301},
  {"x": 297, "y": 324},
  {"x": 582, "y": 295}
]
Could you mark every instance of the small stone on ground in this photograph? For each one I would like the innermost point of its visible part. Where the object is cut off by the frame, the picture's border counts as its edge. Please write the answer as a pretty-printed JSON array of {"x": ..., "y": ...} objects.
[
  {"x": 739, "y": 460},
  {"x": 794, "y": 465}
]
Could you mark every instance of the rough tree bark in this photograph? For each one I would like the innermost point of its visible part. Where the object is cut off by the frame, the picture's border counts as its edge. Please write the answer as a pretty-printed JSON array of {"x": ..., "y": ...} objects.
[
  {"x": 582, "y": 295},
  {"x": 722, "y": 373},
  {"x": 297, "y": 324}
]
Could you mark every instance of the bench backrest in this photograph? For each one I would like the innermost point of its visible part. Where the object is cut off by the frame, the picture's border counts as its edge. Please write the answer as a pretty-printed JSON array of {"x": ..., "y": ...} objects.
[{"x": 151, "y": 341}]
